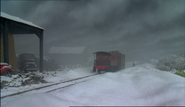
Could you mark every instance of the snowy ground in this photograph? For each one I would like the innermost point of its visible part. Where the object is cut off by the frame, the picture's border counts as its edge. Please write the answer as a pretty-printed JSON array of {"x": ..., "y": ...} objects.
[
  {"x": 140, "y": 85},
  {"x": 51, "y": 77}
]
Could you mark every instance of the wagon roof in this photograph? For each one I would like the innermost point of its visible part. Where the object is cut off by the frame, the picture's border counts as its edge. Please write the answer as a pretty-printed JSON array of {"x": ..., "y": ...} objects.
[{"x": 102, "y": 52}]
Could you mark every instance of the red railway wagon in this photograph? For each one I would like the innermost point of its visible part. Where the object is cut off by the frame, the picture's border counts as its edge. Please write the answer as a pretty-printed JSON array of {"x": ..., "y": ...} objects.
[{"x": 108, "y": 61}]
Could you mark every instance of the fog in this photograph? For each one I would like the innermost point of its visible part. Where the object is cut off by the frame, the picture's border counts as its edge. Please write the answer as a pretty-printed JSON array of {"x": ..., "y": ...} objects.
[{"x": 141, "y": 29}]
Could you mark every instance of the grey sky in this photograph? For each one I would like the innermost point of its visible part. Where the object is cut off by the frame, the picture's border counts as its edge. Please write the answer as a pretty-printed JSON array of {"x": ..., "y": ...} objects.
[{"x": 140, "y": 28}]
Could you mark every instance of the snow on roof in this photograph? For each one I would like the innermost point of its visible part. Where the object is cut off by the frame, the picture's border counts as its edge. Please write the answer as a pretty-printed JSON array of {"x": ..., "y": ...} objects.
[
  {"x": 67, "y": 50},
  {"x": 17, "y": 19}
]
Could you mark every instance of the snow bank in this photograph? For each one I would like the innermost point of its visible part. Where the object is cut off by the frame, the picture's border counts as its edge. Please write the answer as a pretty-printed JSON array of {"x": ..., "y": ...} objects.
[
  {"x": 141, "y": 85},
  {"x": 133, "y": 86},
  {"x": 69, "y": 74},
  {"x": 14, "y": 83}
]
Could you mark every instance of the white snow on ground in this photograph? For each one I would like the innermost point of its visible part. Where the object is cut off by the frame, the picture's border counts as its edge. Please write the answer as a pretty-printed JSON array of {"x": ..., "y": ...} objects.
[
  {"x": 141, "y": 85},
  {"x": 69, "y": 74},
  {"x": 50, "y": 77}
]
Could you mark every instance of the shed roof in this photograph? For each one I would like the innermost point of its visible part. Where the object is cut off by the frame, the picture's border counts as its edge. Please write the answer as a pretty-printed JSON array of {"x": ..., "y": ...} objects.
[
  {"x": 67, "y": 50},
  {"x": 17, "y": 19}
]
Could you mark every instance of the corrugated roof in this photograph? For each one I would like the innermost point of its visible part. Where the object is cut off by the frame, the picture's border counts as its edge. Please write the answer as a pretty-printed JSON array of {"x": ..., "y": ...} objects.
[
  {"x": 67, "y": 50},
  {"x": 17, "y": 19}
]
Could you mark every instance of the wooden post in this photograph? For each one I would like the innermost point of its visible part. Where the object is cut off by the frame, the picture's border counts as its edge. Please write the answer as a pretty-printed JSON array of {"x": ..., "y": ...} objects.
[
  {"x": 5, "y": 42},
  {"x": 41, "y": 52}
]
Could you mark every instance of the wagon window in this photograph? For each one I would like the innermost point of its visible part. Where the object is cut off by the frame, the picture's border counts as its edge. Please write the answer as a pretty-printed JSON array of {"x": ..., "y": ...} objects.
[
  {"x": 107, "y": 57},
  {"x": 99, "y": 57}
]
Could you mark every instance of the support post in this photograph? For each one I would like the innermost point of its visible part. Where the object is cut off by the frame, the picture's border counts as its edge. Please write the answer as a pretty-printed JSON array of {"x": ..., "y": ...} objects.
[
  {"x": 5, "y": 42},
  {"x": 41, "y": 52}
]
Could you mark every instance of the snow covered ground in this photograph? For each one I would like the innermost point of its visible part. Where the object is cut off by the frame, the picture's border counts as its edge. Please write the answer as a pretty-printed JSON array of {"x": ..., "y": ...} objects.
[
  {"x": 139, "y": 85},
  {"x": 51, "y": 77}
]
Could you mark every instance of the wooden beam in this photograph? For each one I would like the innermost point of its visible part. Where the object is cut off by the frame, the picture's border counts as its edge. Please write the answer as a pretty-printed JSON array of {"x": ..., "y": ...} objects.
[
  {"x": 5, "y": 42},
  {"x": 41, "y": 51}
]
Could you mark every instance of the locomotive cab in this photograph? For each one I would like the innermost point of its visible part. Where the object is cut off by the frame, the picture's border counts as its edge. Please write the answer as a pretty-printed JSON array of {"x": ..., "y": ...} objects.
[{"x": 101, "y": 61}]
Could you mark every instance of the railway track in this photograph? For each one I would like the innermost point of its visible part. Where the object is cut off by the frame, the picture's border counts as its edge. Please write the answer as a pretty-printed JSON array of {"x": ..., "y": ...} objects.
[{"x": 54, "y": 84}]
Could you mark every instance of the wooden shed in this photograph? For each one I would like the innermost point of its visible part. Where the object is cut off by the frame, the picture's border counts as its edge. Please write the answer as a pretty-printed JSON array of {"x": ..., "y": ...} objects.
[{"x": 11, "y": 25}]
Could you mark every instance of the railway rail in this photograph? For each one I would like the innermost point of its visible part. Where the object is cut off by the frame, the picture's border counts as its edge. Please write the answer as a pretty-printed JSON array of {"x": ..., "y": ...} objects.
[{"x": 46, "y": 86}]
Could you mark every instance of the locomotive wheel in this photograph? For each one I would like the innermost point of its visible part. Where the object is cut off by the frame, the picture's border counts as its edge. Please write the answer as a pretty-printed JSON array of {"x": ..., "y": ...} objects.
[
  {"x": 94, "y": 70},
  {"x": 99, "y": 71},
  {"x": 106, "y": 70},
  {"x": 111, "y": 70}
]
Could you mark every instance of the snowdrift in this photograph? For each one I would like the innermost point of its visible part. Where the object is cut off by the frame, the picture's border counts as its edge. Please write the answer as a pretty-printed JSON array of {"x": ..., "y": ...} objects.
[{"x": 141, "y": 85}]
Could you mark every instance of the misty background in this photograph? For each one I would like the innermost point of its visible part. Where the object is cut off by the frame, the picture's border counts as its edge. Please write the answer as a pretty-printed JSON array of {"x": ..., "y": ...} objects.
[{"x": 141, "y": 29}]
